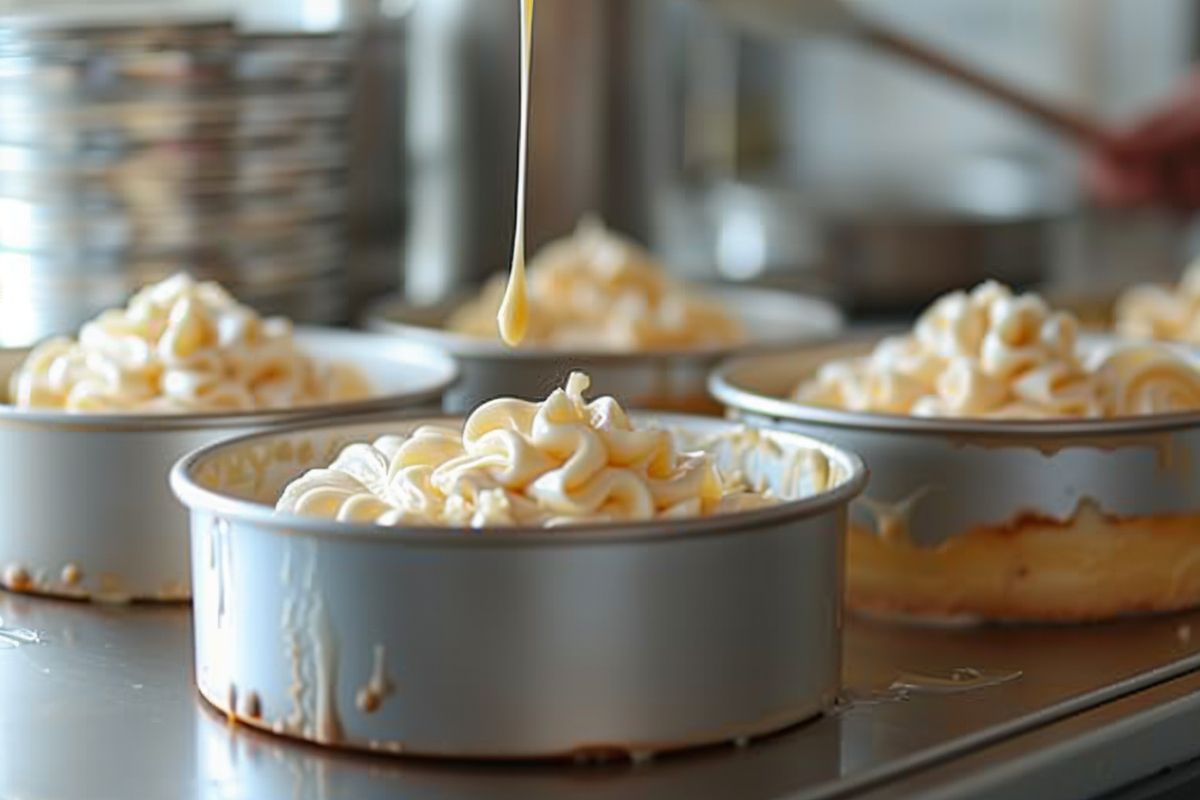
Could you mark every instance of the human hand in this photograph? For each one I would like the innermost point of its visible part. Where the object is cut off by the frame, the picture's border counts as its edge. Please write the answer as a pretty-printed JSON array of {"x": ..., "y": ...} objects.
[{"x": 1154, "y": 163}]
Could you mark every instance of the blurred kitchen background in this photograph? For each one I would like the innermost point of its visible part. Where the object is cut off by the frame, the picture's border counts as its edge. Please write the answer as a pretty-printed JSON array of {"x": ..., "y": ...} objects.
[{"x": 317, "y": 154}]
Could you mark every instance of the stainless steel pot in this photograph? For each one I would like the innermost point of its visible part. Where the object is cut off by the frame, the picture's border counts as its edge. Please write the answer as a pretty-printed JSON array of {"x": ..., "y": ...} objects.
[
  {"x": 980, "y": 519},
  {"x": 592, "y": 641},
  {"x": 880, "y": 243},
  {"x": 668, "y": 380},
  {"x": 138, "y": 139},
  {"x": 85, "y": 510}
]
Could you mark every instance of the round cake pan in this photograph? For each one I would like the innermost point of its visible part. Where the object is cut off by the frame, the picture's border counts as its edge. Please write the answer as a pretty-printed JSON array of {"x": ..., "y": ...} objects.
[
  {"x": 665, "y": 380},
  {"x": 587, "y": 642},
  {"x": 85, "y": 509},
  {"x": 963, "y": 520}
]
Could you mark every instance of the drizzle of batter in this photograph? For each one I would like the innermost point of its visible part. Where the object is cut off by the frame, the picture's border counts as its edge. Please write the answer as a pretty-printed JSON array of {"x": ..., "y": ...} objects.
[{"x": 513, "y": 318}]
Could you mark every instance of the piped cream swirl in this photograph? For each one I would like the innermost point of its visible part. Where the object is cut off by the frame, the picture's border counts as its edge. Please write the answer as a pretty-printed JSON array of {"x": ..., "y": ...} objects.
[
  {"x": 558, "y": 462},
  {"x": 995, "y": 354},
  {"x": 1170, "y": 313},
  {"x": 597, "y": 290},
  {"x": 179, "y": 346}
]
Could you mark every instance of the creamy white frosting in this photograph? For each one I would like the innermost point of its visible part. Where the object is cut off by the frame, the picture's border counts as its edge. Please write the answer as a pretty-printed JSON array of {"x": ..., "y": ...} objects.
[
  {"x": 595, "y": 289},
  {"x": 1146, "y": 379},
  {"x": 1163, "y": 312},
  {"x": 993, "y": 353},
  {"x": 179, "y": 346},
  {"x": 561, "y": 461}
]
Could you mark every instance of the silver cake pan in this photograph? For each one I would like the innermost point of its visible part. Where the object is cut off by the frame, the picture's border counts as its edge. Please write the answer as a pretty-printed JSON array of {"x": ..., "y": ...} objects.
[
  {"x": 85, "y": 509},
  {"x": 588, "y": 642},
  {"x": 665, "y": 380},
  {"x": 935, "y": 480}
]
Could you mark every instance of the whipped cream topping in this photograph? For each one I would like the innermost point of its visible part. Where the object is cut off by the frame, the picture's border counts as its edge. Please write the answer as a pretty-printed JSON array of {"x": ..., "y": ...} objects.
[
  {"x": 558, "y": 462},
  {"x": 595, "y": 289},
  {"x": 992, "y": 353},
  {"x": 1163, "y": 312},
  {"x": 179, "y": 346}
]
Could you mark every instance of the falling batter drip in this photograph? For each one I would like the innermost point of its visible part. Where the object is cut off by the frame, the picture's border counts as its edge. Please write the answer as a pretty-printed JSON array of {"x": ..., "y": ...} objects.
[{"x": 514, "y": 310}]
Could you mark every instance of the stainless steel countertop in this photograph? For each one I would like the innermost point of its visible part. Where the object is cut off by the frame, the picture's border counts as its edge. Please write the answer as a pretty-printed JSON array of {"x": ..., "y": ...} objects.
[{"x": 104, "y": 707}]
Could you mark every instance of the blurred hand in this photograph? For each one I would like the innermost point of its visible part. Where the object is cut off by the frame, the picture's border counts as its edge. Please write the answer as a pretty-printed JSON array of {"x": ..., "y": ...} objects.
[{"x": 1157, "y": 161}]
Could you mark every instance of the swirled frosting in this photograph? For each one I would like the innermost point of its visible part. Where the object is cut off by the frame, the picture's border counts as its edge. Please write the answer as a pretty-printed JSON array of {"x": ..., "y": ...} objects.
[
  {"x": 558, "y": 462},
  {"x": 597, "y": 290},
  {"x": 179, "y": 346},
  {"x": 993, "y": 353},
  {"x": 1169, "y": 313}
]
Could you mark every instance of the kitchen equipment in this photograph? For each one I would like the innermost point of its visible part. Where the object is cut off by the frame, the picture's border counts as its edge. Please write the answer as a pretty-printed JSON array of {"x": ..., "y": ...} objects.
[
  {"x": 461, "y": 116},
  {"x": 811, "y": 164},
  {"x": 877, "y": 243},
  {"x": 593, "y": 641},
  {"x": 106, "y": 706},
  {"x": 660, "y": 380},
  {"x": 844, "y": 18},
  {"x": 139, "y": 139},
  {"x": 986, "y": 519},
  {"x": 85, "y": 511}
]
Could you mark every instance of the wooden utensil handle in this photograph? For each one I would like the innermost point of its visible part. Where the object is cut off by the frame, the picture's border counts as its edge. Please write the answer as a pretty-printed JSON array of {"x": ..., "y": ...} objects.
[{"x": 1077, "y": 126}]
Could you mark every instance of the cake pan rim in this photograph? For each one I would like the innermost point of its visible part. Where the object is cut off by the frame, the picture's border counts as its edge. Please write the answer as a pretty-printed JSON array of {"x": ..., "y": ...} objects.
[
  {"x": 463, "y": 345},
  {"x": 198, "y": 498},
  {"x": 393, "y": 348},
  {"x": 731, "y": 393}
]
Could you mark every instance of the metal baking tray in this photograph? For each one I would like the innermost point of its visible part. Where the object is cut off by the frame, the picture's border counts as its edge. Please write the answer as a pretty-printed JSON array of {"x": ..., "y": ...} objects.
[
  {"x": 104, "y": 705},
  {"x": 939, "y": 483},
  {"x": 85, "y": 510},
  {"x": 669, "y": 380},
  {"x": 592, "y": 641}
]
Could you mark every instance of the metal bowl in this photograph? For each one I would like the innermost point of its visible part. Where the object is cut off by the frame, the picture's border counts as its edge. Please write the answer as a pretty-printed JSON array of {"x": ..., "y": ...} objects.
[
  {"x": 666, "y": 380},
  {"x": 85, "y": 511},
  {"x": 977, "y": 519},
  {"x": 596, "y": 640}
]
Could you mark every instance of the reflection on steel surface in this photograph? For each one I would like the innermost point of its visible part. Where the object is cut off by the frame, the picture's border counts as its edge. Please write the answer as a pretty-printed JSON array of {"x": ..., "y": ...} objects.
[{"x": 106, "y": 707}]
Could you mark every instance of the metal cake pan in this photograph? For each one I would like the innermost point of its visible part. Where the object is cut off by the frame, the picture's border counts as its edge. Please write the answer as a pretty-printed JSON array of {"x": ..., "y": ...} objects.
[
  {"x": 665, "y": 380},
  {"x": 85, "y": 509},
  {"x": 588, "y": 642},
  {"x": 935, "y": 483}
]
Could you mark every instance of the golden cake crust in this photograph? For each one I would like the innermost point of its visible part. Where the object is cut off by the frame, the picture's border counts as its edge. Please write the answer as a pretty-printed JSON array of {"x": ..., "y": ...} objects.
[{"x": 1093, "y": 566}]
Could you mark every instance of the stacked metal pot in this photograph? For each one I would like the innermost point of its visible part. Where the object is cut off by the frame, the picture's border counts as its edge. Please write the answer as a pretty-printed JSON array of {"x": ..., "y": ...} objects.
[{"x": 130, "y": 151}]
